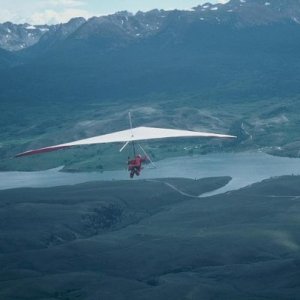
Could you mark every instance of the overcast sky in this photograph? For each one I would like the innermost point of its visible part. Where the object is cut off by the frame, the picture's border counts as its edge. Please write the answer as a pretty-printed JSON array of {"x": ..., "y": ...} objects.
[{"x": 59, "y": 11}]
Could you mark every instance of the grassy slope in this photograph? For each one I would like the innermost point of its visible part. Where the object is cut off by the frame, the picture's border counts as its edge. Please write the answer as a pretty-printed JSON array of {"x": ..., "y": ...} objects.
[
  {"x": 268, "y": 124},
  {"x": 143, "y": 240}
]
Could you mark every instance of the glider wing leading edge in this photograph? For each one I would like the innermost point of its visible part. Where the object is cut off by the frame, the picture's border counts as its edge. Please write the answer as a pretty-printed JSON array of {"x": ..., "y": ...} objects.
[{"x": 130, "y": 135}]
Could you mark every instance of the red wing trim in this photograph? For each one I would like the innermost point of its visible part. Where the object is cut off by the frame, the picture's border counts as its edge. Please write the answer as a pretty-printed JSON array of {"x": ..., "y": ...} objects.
[{"x": 42, "y": 150}]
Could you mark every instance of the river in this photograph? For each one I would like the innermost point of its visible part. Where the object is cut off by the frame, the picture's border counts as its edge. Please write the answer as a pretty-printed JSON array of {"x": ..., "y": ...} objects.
[{"x": 245, "y": 168}]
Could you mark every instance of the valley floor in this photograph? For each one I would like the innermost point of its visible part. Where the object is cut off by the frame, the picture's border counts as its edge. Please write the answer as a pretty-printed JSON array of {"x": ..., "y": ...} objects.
[{"x": 151, "y": 240}]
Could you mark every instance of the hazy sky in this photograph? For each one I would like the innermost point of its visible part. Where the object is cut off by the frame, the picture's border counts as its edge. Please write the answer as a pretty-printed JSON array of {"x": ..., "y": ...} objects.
[{"x": 57, "y": 11}]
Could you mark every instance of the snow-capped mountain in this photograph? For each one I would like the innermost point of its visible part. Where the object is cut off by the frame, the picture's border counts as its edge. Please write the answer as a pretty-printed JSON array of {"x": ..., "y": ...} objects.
[
  {"x": 15, "y": 37},
  {"x": 125, "y": 26},
  {"x": 253, "y": 12}
]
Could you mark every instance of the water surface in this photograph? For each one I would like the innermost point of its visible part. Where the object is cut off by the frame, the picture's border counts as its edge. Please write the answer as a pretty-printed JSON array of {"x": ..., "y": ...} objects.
[{"x": 244, "y": 168}]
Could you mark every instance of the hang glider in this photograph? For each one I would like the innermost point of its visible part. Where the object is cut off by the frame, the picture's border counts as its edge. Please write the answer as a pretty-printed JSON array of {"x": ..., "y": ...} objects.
[
  {"x": 127, "y": 136},
  {"x": 132, "y": 135}
]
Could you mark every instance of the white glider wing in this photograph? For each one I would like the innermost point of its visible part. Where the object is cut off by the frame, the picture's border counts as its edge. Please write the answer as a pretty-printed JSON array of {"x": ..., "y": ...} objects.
[{"x": 134, "y": 134}]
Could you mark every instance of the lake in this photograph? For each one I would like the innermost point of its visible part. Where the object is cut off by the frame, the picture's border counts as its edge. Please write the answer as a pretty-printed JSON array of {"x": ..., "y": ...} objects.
[{"x": 245, "y": 168}]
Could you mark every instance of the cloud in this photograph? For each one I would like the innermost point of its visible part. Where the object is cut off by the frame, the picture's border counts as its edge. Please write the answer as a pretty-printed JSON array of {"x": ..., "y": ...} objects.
[
  {"x": 50, "y": 16},
  {"x": 7, "y": 15},
  {"x": 63, "y": 3},
  {"x": 42, "y": 11},
  {"x": 60, "y": 11}
]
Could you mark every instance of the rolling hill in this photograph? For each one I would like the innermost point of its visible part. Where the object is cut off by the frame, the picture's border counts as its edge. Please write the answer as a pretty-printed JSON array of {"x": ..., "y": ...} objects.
[{"x": 143, "y": 240}]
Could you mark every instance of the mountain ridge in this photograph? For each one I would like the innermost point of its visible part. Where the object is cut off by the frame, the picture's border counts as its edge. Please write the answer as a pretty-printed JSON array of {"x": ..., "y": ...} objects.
[
  {"x": 239, "y": 13},
  {"x": 15, "y": 37}
]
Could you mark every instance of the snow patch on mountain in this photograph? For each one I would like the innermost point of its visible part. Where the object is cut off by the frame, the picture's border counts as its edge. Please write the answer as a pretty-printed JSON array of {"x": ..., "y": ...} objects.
[{"x": 30, "y": 27}]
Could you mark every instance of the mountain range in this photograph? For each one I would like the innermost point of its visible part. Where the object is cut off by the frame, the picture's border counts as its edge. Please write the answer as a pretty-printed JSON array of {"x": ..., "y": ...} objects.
[
  {"x": 215, "y": 58},
  {"x": 250, "y": 45},
  {"x": 240, "y": 13}
]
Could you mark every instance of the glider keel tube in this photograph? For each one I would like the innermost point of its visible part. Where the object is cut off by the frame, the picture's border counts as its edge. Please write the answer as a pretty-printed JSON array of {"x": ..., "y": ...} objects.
[{"x": 130, "y": 135}]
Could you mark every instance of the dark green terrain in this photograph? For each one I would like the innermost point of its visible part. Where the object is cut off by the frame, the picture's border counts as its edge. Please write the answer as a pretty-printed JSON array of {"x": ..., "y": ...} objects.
[{"x": 145, "y": 240}]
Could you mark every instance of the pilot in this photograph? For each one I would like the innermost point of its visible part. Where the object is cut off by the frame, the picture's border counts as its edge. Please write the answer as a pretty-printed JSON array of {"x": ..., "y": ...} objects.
[{"x": 135, "y": 165}]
